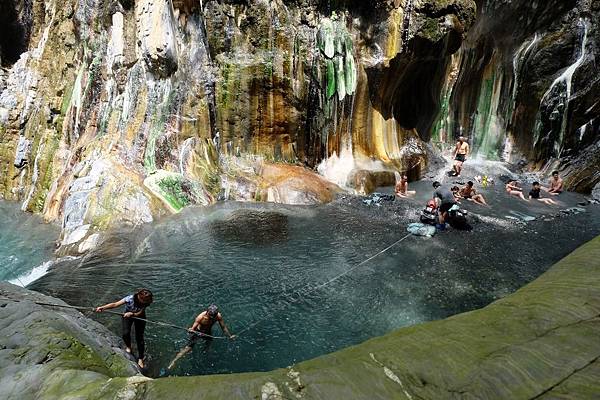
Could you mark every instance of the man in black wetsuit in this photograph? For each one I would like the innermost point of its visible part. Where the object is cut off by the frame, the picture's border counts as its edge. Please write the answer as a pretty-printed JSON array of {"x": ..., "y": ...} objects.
[
  {"x": 202, "y": 329},
  {"x": 446, "y": 200}
]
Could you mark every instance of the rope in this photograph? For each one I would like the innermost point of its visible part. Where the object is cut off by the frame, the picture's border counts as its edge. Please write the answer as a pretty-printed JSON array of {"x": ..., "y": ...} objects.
[
  {"x": 159, "y": 323},
  {"x": 253, "y": 324},
  {"x": 322, "y": 285}
]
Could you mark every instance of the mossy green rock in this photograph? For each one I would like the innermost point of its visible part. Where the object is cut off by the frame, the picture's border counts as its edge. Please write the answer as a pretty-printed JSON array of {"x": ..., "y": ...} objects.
[{"x": 56, "y": 353}]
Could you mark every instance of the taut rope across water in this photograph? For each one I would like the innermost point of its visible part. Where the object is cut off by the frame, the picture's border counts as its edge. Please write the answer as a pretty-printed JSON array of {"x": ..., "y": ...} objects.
[
  {"x": 322, "y": 285},
  {"x": 250, "y": 326},
  {"x": 82, "y": 308}
]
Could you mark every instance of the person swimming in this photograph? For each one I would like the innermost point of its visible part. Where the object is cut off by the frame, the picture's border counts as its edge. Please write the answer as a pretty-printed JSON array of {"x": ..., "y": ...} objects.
[
  {"x": 401, "y": 188},
  {"x": 555, "y": 184},
  {"x": 201, "y": 329}
]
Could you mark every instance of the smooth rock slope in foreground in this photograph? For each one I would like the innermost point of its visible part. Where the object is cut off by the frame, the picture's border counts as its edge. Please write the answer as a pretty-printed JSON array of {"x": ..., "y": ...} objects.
[{"x": 541, "y": 342}]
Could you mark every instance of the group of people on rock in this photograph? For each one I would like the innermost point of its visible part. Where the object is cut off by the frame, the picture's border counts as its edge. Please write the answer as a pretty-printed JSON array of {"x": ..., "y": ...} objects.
[
  {"x": 135, "y": 316},
  {"x": 554, "y": 188}
]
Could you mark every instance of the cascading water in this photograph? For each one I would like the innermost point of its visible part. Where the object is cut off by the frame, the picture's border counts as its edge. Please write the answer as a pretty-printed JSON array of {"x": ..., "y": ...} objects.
[
  {"x": 519, "y": 61},
  {"x": 559, "y": 94}
]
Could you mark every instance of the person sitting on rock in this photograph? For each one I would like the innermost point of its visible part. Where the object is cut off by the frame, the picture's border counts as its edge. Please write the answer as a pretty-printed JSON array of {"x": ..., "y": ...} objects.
[
  {"x": 135, "y": 307},
  {"x": 513, "y": 188},
  {"x": 534, "y": 193},
  {"x": 469, "y": 193},
  {"x": 555, "y": 183},
  {"x": 201, "y": 329},
  {"x": 456, "y": 192},
  {"x": 402, "y": 188}
]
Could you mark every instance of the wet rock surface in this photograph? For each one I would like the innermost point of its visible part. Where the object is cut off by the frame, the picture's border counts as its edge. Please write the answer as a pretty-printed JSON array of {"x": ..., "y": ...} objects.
[{"x": 50, "y": 352}]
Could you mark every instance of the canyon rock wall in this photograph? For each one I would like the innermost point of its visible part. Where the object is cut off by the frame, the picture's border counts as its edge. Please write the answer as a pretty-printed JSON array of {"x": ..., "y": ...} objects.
[
  {"x": 115, "y": 111},
  {"x": 526, "y": 87}
]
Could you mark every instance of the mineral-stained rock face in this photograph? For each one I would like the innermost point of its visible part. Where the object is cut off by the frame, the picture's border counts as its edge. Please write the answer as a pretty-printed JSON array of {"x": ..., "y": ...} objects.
[
  {"x": 118, "y": 111},
  {"x": 525, "y": 86}
]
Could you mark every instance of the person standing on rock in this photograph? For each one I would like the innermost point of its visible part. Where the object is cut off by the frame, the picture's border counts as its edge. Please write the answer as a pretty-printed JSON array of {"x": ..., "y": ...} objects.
[
  {"x": 201, "y": 329},
  {"x": 446, "y": 200},
  {"x": 460, "y": 155},
  {"x": 135, "y": 307}
]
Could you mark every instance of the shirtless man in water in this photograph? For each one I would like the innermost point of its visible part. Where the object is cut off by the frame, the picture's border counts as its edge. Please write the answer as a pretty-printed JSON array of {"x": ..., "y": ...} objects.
[
  {"x": 402, "y": 188},
  {"x": 460, "y": 155},
  {"x": 556, "y": 185},
  {"x": 469, "y": 193},
  {"x": 201, "y": 329}
]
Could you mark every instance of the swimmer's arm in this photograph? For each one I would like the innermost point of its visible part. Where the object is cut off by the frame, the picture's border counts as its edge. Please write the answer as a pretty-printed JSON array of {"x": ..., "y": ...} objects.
[
  {"x": 196, "y": 323},
  {"x": 224, "y": 327},
  {"x": 110, "y": 306}
]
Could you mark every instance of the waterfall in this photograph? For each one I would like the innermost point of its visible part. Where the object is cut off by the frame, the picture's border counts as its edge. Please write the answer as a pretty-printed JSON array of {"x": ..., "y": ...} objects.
[
  {"x": 566, "y": 80},
  {"x": 518, "y": 62},
  {"x": 210, "y": 81},
  {"x": 406, "y": 23}
]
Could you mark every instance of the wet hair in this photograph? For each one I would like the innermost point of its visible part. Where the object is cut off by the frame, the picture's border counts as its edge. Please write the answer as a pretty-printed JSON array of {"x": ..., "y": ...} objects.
[
  {"x": 510, "y": 181},
  {"x": 436, "y": 184},
  {"x": 470, "y": 183},
  {"x": 212, "y": 310},
  {"x": 554, "y": 173},
  {"x": 535, "y": 184},
  {"x": 143, "y": 296},
  {"x": 462, "y": 138},
  {"x": 455, "y": 188}
]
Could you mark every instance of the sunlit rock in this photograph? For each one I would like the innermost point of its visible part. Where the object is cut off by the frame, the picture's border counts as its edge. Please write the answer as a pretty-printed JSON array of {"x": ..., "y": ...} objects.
[{"x": 156, "y": 35}]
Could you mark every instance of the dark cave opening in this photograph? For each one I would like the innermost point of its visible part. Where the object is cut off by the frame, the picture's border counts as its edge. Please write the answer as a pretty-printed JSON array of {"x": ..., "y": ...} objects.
[{"x": 14, "y": 30}]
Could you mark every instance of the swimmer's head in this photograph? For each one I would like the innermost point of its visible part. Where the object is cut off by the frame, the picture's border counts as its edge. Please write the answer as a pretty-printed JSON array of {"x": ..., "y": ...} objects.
[
  {"x": 212, "y": 310},
  {"x": 436, "y": 184}
]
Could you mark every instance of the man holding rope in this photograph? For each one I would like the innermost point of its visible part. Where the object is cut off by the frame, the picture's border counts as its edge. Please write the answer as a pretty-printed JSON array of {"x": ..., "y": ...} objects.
[
  {"x": 202, "y": 329},
  {"x": 135, "y": 307}
]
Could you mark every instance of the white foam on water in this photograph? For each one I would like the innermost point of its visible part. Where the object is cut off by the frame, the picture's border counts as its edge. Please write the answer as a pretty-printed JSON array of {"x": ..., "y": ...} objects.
[
  {"x": 338, "y": 169},
  {"x": 36, "y": 273},
  {"x": 32, "y": 275}
]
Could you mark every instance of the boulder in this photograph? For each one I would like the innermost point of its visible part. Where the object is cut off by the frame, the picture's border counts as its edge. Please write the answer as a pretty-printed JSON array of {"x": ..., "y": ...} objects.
[{"x": 56, "y": 353}]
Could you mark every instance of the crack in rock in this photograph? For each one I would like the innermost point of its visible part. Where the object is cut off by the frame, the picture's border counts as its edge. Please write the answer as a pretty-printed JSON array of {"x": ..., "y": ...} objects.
[{"x": 391, "y": 375}]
